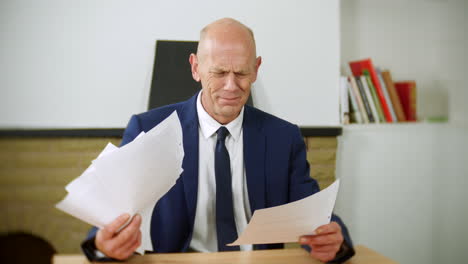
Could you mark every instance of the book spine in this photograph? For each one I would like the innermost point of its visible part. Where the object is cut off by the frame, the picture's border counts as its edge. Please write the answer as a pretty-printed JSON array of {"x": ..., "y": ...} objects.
[
  {"x": 367, "y": 101},
  {"x": 344, "y": 106},
  {"x": 378, "y": 88},
  {"x": 413, "y": 106},
  {"x": 407, "y": 93},
  {"x": 362, "y": 109},
  {"x": 387, "y": 96},
  {"x": 367, "y": 81},
  {"x": 387, "y": 77},
  {"x": 355, "y": 111}
]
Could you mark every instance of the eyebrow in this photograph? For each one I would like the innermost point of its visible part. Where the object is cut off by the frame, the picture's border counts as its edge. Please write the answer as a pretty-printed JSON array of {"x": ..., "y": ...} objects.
[
  {"x": 218, "y": 69},
  {"x": 222, "y": 69}
]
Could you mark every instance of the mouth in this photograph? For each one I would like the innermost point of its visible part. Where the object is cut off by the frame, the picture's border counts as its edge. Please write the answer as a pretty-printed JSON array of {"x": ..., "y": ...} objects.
[{"x": 229, "y": 100}]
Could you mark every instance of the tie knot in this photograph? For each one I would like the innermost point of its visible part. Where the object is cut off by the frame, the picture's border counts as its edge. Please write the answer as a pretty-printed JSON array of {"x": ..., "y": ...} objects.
[{"x": 222, "y": 133}]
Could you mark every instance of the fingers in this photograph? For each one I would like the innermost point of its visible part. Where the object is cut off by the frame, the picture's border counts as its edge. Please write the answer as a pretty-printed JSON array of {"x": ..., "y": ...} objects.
[
  {"x": 125, "y": 251},
  {"x": 109, "y": 230},
  {"x": 120, "y": 245},
  {"x": 325, "y": 235},
  {"x": 332, "y": 227},
  {"x": 132, "y": 246},
  {"x": 326, "y": 243},
  {"x": 322, "y": 240},
  {"x": 327, "y": 248},
  {"x": 128, "y": 233}
]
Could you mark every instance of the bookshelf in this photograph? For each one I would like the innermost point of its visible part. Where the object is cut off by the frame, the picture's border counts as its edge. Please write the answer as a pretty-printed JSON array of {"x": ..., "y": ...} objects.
[
  {"x": 422, "y": 40},
  {"x": 403, "y": 185}
]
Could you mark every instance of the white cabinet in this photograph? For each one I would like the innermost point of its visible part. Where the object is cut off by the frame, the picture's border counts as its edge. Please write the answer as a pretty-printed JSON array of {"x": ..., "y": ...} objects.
[{"x": 404, "y": 190}]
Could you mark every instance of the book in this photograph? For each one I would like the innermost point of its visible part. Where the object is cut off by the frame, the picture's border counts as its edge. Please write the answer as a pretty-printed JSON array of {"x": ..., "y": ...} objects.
[
  {"x": 357, "y": 67},
  {"x": 407, "y": 92},
  {"x": 365, "y": 99},
  {"x": 387, "y": 96},
  {"x": 371, "y": 88},
  {"x": 362, "y": 81},
  {"x": 387, "y": 78},
  {"x": 355, "y": 112},
  {"x": 359, "y": 101},
  {"x": 344, "y": 106}
]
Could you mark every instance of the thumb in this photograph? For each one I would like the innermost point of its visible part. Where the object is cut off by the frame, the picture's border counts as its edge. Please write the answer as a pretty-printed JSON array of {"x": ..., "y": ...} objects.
[{"x": 109, "y": 230}]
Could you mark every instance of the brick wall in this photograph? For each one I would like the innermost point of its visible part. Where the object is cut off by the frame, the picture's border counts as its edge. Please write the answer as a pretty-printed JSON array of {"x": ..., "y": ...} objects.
[
  {"x": 34, "y": 172},
  {"x": 321, "y": 154}
]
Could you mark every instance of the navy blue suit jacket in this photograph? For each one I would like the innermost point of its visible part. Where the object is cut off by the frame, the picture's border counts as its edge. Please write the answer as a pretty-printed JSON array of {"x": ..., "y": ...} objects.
[{"x": 276, "y": 168}]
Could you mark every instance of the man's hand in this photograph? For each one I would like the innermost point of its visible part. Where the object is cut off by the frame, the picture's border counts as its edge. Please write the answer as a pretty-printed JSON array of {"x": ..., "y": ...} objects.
[
  {"x": 326, "y": 243},
  {"x": 119, "y": 244}
]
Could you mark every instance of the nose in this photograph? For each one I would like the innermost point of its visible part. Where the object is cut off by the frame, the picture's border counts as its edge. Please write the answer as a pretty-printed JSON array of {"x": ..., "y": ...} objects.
[{"x": 231, "y": 83}]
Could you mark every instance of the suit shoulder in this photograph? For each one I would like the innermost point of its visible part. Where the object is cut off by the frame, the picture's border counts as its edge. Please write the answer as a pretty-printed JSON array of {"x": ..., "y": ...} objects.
[
  {"x": 151, "y": 118},
  {"x": 271, "y": 121}
]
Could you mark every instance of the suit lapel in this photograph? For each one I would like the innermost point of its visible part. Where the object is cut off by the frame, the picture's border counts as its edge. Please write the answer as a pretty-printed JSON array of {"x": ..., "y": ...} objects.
[
  {"x": 254, "y": 159},
  {"x": 189, "y": 122}
]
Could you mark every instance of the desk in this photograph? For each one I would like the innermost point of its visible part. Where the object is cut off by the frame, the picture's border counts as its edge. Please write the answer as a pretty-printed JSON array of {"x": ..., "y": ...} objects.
[{"x": 297, "y": 255}]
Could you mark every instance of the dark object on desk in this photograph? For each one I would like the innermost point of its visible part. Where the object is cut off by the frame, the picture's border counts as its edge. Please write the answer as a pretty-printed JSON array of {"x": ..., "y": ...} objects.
[
  {"x": 24, "y": 248},
  {"x": 172, "y": 77}
]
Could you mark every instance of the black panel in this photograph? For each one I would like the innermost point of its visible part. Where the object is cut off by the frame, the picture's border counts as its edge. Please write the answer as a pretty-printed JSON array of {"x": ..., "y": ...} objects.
[
  {"x": 172, "y": 78},
  {"x": 321, "y": 131},
  {"x": 106, "y": 132},
  {"x": 118, "y": 132}
]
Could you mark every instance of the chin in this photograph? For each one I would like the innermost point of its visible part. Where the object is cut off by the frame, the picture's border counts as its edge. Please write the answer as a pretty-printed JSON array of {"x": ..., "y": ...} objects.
[{"x": 229, "y": 111}]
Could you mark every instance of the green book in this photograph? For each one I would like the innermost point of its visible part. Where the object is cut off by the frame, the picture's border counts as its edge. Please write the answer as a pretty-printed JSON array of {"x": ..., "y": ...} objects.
[{"x": 378, "y": 106}]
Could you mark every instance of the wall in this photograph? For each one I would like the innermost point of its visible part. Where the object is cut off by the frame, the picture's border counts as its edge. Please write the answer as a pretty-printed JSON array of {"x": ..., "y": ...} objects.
[
  {"x": 422, "y": 40},
  {"x": 34, "y": 172},
  {"x": 33, "y": 175},
  {"x": 403, "y": 190},
  {"x": 89, "y": 63}
]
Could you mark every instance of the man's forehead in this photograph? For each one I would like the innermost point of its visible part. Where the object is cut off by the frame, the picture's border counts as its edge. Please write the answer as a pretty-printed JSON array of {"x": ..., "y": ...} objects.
[
  {"x": 228, "y": 45},
  {"x": 218, "y": 41},
  {"x": 222, "y": 55},
  {"x": 225, "y": 28}
]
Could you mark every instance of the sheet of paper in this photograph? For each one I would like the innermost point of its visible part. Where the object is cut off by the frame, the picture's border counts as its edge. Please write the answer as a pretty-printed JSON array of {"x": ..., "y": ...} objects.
[
  {"x": 130, "y": 179},
  {"x": 286, "y": 223}
]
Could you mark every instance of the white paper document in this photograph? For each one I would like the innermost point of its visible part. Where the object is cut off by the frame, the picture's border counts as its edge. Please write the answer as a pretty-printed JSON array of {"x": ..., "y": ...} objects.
[
  {"x": 130, "y": 179},
  {"x": 286, "y": 223}
]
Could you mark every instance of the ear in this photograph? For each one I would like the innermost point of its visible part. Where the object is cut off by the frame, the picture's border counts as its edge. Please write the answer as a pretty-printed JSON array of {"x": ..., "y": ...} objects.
[
  {"x": 194, "y": 67},
  {"x": 258, "y": 62}
]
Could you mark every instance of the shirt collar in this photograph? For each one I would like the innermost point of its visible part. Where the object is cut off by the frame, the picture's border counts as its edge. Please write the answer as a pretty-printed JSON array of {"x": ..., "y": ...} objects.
[{"x": 209, "y": 125}]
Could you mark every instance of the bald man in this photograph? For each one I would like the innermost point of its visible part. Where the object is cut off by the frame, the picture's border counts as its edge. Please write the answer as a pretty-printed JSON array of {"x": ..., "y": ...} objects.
[{"x": 237, "y": 159}]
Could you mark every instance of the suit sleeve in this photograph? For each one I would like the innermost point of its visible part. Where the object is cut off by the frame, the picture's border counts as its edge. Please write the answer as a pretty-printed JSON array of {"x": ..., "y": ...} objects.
[
  {"x": 88, "y": 246},
  {"x": 132, "y": 131},
  {"x": 302, "y": 185}
]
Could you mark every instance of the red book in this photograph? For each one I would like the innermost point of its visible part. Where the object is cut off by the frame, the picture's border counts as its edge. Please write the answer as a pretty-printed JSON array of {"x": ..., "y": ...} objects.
[
  {"x": 357, "y": 67},
  {"x": 407, "y": 92}
]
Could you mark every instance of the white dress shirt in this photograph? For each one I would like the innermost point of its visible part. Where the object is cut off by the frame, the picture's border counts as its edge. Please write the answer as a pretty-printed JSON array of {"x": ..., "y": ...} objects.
[{"x": 204, "y": 237}]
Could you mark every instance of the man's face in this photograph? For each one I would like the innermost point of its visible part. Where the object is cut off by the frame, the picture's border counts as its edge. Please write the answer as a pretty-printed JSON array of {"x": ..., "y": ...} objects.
[{"x": 226, "y": 69}]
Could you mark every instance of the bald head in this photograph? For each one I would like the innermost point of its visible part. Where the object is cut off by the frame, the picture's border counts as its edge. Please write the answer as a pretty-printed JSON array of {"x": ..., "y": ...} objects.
[
  {"x": 226, "y": 65},
  {"x": 226, "y": 30}
]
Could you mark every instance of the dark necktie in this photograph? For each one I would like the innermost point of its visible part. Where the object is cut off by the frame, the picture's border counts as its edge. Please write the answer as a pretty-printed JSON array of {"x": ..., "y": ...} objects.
[{"x": 225, "y": 223}]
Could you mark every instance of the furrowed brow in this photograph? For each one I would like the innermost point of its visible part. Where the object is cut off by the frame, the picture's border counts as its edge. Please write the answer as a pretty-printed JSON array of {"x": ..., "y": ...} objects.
[{"x": 218, "y": 69}]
